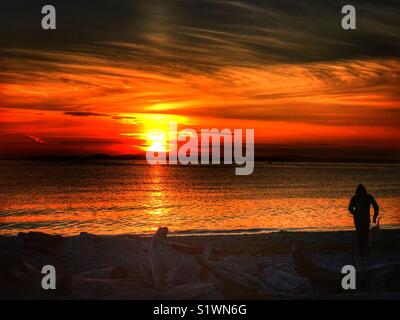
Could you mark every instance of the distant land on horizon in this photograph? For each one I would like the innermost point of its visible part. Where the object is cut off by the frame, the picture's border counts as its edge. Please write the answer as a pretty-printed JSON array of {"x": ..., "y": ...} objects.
[{"x": 281, "y": 158}]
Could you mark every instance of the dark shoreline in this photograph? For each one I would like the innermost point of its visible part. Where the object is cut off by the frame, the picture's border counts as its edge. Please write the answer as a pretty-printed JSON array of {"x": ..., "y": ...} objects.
[
  {"x": 80, "y": 262},
  {"x": 268, "y": 241},
  {"x": 269, "y": 160}
]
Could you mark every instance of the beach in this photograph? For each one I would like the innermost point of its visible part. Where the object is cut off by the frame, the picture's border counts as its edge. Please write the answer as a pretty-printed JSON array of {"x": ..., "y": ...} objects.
[{"x": 239, "y": 266}]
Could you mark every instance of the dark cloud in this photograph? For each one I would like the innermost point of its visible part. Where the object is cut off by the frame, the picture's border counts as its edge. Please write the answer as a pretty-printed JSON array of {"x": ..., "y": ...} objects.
[
  {"x": 84, "y": 114},
  {"x": 204, "y": 35},
  {"x": 124, "y": 118},
  {"x": 86, "y": 141}
]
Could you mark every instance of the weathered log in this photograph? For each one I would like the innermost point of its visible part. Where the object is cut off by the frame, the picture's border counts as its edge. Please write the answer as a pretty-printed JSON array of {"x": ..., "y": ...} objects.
[
  {"x": 100, "y": 288},
  {"x": 186, "y": 248},
  {"x": 190, "y": 291},
  {"x": 15, "y": 268},
  {"x": 388, "y": 274},
  {"x": 365, "y": 295},
  {"x": 286, "y": 282},
  {"x": 157, "y": 248},
  {"x": 249, "y": 285},
  {"x": 318, "y": 275},
  {"x": 206, "y": 250},
  {"x": 106, "y": 273},
  {"x": 19, "y": 279},
  {"x": 170, "y": 267}
]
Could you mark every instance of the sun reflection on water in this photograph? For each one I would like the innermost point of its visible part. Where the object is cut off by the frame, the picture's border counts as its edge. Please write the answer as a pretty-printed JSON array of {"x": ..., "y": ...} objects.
[{"x": 156, "y": 201}]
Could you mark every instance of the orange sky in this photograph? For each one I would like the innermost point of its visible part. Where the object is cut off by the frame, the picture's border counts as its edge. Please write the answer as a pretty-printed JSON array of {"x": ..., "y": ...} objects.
[
  {"x": 80, "y": 102},
  {"x": 341, "y": 104}
]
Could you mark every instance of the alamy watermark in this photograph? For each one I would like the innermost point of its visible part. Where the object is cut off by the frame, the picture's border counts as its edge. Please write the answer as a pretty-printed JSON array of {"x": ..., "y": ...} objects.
[
  {"x": 189, "y": 147},
  {"x": 49, "y": 20},
  {"x": 349, "y": 280},
  {"x": 49, "y": 280}
]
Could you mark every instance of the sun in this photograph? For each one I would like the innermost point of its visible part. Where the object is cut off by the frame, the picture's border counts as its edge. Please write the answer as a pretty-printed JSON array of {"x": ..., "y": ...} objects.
[
  {"x": 156, "y": 140},
  {"x": 153, "y": 130}
]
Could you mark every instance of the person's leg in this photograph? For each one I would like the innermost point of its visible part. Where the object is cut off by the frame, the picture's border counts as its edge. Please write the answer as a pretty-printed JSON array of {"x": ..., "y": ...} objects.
[
  {"x": 364, "y": 239},
  {"x": 367, "y": 242},
  {"x": 359, "y": 233},
  {"x": 364, "y": 242}
]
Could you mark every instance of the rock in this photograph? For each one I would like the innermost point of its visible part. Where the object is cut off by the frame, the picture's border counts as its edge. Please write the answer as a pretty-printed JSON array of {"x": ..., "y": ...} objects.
[
  {"x": 40, "y": 237},
  {"x": 45, "y": 243},
  {"x": 85, "y": 235}
]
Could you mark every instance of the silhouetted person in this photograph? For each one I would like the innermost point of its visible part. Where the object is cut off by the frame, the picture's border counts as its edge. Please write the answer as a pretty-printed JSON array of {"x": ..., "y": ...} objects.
[{"x": 359, "y": 207}]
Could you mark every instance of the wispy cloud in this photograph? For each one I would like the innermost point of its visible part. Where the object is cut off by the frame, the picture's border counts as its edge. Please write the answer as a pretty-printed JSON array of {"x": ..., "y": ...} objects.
[
  {"x": 38, "y": 140},
  {"x": 279, "y": 65}
]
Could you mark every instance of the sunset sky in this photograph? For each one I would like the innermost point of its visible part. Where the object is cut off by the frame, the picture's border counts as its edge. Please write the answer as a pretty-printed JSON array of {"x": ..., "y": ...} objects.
[{"x": 115, "y": 70}]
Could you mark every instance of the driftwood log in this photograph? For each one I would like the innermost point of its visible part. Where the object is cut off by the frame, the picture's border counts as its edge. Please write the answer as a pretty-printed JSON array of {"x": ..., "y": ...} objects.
[
  {"x": 106, "y": 273},
  {"x": 156, "y": 251},
  {"x": 250, "y": 286},
  {"x": 378, "y": 277},
  {"x": 21, "y": 280}
]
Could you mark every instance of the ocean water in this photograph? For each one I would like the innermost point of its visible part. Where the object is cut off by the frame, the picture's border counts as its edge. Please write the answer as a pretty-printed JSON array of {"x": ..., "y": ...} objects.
[{"x": 132, "y": 197}]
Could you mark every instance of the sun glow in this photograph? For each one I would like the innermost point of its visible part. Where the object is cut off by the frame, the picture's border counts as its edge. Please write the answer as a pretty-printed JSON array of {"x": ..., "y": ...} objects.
[
  {"x": 152, "y": 130},
  {"x": 157, "y": 140}
]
